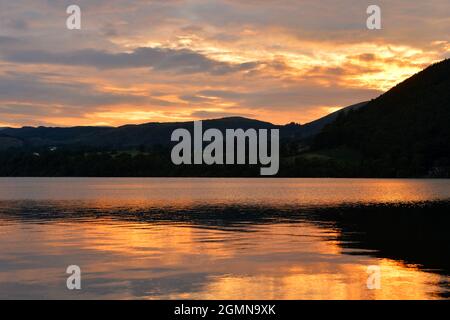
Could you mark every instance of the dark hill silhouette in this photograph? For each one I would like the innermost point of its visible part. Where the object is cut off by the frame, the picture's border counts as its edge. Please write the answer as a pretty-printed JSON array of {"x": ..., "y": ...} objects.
[
  {"x": 156, "y": 133},
  {"x": 42, "y": 136},
  {"x": 129, "y": 136},
  {"x": 7, "y": 142},
  {"x": 404, "y": 132},
  {"x": 150, "y": 134},
  {"x": 313, "y": 128}
]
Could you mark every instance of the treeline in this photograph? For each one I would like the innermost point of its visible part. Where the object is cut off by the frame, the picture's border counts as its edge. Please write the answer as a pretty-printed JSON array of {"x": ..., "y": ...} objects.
[
  {"x": 140, "y": 162},
  {"x": 88, "y": 162},
  {"x": 156, "y": 162}
]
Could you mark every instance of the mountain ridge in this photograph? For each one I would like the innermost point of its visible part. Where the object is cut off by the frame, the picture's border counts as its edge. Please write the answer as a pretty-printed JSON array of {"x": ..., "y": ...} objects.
[
  {"x": 405, "y": 131},
  {"x": 147, "y": 134},
  {"x": 153, "y": 133}
]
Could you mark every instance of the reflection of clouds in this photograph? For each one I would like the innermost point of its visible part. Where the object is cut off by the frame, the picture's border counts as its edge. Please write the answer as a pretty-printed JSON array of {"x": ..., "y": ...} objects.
[
  {"x": 239, "y": 239},
  {"x": 121, "y": 259},
  {"x": 285, "y": 56},
  {"x": 329, "y": 281}
]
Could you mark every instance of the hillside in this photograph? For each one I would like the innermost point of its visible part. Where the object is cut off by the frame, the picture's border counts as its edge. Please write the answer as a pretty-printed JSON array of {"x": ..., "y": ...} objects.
[
  {"x": 155, "y": 133},
  {"x": 313, "y": 128},
  {"x": 132, "y": 136},
  {"x": 7, "y": 142},
  {"x": 404, "y": 132}
]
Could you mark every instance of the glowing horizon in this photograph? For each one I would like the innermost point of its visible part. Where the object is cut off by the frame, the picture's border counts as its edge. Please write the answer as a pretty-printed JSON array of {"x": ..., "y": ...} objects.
[{"x": 167, "y": 61}]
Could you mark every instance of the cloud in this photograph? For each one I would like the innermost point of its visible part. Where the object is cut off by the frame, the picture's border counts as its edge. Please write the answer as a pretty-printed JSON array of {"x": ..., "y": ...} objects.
[
  {"x": 181, "y": 61},
  {"x": 141, "y": 60},
  {"x": 294, "y": 97},
  {"x": 21, "y": 88},
  {"x": 203, "y": 114},
  {"x": 5, "y": 40}
]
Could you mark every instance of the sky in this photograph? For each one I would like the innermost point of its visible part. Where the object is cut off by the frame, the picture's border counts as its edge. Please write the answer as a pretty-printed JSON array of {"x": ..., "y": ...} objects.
[{"x": 172, "y": 60}]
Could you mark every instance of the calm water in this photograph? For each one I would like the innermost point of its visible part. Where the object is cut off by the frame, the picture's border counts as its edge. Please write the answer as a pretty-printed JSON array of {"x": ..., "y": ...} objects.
[{"x": 224, "y": 238}]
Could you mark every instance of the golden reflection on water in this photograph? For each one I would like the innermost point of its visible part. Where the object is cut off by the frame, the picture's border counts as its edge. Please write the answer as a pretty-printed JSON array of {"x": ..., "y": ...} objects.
[
  {"x": 161, "y": 192},
  {"x": 137, "y": 260},
  {"x": 124, "y": 256}
]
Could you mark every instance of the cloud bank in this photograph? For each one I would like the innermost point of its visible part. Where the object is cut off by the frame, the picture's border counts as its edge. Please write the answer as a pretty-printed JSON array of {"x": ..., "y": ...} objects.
[{"x": 139, "y": 61}]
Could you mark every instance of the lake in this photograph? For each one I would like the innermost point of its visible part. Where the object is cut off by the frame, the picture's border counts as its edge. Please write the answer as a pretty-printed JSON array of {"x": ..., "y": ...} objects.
[{"x": 224, "y": 238}]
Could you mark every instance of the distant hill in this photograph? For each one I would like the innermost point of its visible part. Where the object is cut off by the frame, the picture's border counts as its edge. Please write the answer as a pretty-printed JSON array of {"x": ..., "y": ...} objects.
[
  {"x": 404, "y": 132},
  {"x": 313, "y": 128},
  {"x": 130, "y": 136},
  {"x": 160, "y": 133},
  {"x": 156, "y": 133},
  {"x": 44, "y": 136}
]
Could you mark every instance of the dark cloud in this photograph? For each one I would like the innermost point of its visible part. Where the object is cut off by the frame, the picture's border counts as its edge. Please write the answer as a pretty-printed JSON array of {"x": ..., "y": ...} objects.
[
  {"x": 293, "y": 97},
  {"x": 192, "y": 98},
  {"x": 181, "y": 61},
  {"x": 213, "y": 114},
  {"x": 24, "y": 89},
  {"x": 19, "y": 24},
  {"x": 345, "y": 69},
  {"x": 5, "y": 40},
  {"x": 38, "y": 110},
  {"x": 366, "y": 57}
]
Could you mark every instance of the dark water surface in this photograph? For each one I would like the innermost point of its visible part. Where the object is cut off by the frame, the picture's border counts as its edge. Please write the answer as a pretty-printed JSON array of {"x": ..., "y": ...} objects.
[{"x": 224, "y": 238}]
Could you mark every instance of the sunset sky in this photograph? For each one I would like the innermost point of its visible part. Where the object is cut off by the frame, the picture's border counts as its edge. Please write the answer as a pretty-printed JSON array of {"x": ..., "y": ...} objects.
[{"x": 173, "y": 60}]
